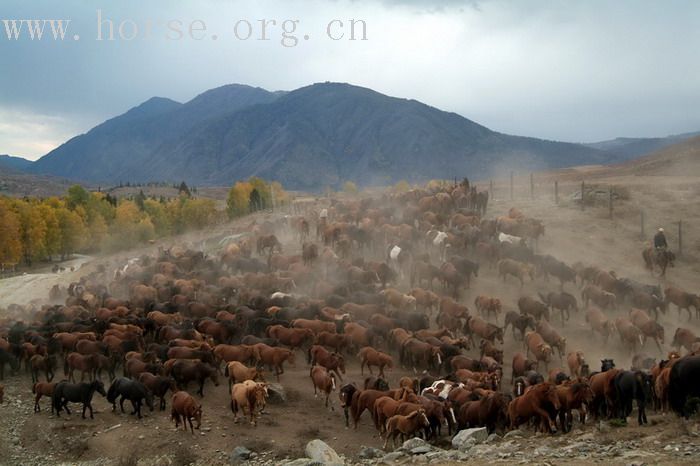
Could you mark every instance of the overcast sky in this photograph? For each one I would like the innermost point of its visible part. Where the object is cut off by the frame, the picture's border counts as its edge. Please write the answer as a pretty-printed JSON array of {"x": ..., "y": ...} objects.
[{"x": 564, "y": 70}]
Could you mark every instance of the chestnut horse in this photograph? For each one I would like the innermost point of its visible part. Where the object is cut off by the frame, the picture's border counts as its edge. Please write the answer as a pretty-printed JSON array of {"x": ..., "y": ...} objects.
[
  {"x": 536, "y": 402},
  {"x": 185, "y": 407}
]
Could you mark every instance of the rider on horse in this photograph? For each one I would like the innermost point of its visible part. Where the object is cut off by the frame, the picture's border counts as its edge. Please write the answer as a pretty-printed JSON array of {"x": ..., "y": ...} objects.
[{"x": 660, "y": 243}]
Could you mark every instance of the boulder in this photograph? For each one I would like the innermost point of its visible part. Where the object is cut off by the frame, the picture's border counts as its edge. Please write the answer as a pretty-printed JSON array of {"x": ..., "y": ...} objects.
[
  {"x": 414, "y": 443},
  {"x": 239, "y": 455},
  {"x": 276, "y": 393},
  {"x": 368, "y": 453},
  {"x": 320, "y": 451},
  {"x": 467, "y": 438}
]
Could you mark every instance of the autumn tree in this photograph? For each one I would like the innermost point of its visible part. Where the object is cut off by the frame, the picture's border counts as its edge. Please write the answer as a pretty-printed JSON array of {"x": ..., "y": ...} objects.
[
  {"x": 32, "y": 230},
  {"x": 349, "y": 187},
  {"x": 10, "y": 231}
]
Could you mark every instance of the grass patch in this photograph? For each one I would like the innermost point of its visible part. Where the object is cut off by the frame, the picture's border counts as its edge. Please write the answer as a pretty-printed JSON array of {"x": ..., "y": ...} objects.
[{"x": 617, "y": 422}]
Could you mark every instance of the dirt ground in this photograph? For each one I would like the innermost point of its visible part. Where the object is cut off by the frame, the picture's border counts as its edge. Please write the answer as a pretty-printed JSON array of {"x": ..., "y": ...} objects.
[{"x": 571, "y": 235}]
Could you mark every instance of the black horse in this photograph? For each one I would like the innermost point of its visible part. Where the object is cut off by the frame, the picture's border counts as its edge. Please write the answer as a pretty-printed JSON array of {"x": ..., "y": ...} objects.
[
  {"x": 633, "y": 385},
  {"x": 131, "y": 390},
  {"x": 684, "y": 384},
  {"x": 8, "y": 358},
  {"x": 76, "y": 393}
]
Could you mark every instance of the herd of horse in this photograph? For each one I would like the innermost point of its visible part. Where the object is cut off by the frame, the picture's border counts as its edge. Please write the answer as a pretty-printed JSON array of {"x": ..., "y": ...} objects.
[{"x": 382, "y": 284}]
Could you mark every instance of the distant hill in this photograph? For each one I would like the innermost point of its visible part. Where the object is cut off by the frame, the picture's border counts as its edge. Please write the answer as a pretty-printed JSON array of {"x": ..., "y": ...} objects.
[
  {"x": 630, "y": 148},
  {"x": 316, "y": 136},
  {"x": 15, "y": 164},
  {"x": 682, "y": 159},
  {"x": 119, "y": 148}
]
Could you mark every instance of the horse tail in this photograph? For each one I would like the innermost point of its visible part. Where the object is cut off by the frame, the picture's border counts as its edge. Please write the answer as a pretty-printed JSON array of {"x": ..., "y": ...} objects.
[
  {"x": 225, "y": 370},
  {"x": 65, "y": 366},
  {"x": 34, "y": 388},
  {"x": 308, "y": 355}
]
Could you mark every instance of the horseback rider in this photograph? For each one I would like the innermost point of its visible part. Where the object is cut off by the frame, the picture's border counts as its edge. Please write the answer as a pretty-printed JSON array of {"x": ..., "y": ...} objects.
[{"x": 660, "y": 243}]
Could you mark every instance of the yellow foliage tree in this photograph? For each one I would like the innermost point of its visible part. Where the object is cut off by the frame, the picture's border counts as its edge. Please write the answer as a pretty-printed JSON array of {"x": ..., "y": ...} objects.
[
  {"x": 349, "y": 187},
  {"x": 10, "y": 229},
  {"x": 238, "y": 197}
]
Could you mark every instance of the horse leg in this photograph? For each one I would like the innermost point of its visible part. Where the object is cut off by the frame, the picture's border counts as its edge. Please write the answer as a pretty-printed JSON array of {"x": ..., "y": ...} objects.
[{"x": 121, "y": 403}]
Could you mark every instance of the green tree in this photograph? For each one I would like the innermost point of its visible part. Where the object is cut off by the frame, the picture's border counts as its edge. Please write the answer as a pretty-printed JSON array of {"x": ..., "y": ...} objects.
[
  {"x": 72, "y": 231},
  {"x": 77, "y": 195}
]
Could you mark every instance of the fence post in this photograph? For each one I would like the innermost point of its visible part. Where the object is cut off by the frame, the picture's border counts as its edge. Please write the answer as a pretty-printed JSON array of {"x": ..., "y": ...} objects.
[
  {"x": 556, "y": 192},
  {"x": 532, "y": 187},
  {"x": 680, "y": 238},
  {"x": 583, "y": 195},
  {"x": 511, "y": 186},
  {"x": 491, "y": 189},
  {"x": 641, "y": 229},
  {"x": 610, "y": 201}
]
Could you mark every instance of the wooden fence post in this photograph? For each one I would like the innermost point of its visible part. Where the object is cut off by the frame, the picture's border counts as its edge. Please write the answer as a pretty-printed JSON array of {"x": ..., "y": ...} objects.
[
  {"x": 511, "y": 186},
  {"x": 556, "y": 192}
]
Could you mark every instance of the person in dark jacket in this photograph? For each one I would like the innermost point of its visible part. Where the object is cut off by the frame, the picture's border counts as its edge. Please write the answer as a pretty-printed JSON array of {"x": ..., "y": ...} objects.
[{"x": 660, "y": 240}]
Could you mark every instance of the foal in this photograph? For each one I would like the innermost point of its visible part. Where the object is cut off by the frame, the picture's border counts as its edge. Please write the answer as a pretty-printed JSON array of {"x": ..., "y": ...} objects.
[
  {"x": 323, "y": 380},
  {"x": 405, "y": 425}
]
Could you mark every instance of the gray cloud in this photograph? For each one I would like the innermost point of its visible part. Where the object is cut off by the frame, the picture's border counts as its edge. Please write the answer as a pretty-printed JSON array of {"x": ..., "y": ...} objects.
[{"x": 564, "y": 70}]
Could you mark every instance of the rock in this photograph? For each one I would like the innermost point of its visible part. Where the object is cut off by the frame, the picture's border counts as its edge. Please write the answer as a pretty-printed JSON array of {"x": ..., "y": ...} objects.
[
  {"x": 301, "y": 462},
  {"x": 493, "y": 438},
  {"x": 276, "y": 393},
  {"x": 239, "y": 455},
  {"x": 391, "y": 458},
  {"x": 513, "y": 434},
  {"x": 603, "y": 427},
  {"x": 367, "y": 453},
  {"x": 414, "y": 443},
  {"x": 318, "y": 450},
  {"x": 463, "y": 437},
  {"x": 421, "y": 450}
]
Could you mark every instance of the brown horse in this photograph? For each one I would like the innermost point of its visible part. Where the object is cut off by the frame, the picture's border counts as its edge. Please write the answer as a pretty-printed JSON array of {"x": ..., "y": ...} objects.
[
  {"x": 522, "y": 365},
  {"x": 336, "y": 341},
  {"x": 186, "y": 408},
  {"x": 682, "y": 300},
  {"x": 42, "y": 363},
  {"x": 269, "y": 242},
  {"x": 40, "y": 389},
  {"x": 185, "y": 371},
  {"x": 239, "y": 372},
  {"x": 323, "y": 381},
  {"x": 248, "y": 396},
  {"x": 274, "y": 357},
  {"x": 240, "y": 353},
  {"x": 158, "y": 385},
  {"x": 331, "y": 361},
  {"x": 535, "y": 403},
  {"x": 576, "y": 395},
  {"x": 405, "y": 425},
  {"x": 371, "y": 357},
  {"x": 83, "y": 363},
  {"x": 490, "y": 411},
  {"x": 575, "y": 360},
  {"x": 536, "y": 345},
  {"x": 661, "y": 259},
  {"x": 292, "y": 337}
]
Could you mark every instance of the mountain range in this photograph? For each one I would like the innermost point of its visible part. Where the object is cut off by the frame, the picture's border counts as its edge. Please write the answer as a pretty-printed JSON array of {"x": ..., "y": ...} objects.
[{"x": 316, "y": 136}]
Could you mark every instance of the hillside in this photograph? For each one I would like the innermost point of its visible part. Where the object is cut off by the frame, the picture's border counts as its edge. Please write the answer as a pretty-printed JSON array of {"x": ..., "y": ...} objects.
[
  {"x": 119, "y": 148},
  {"x": 677, "y": 160},
  {"x": 630, "y": 148},
  {"x": 9, "y": 163}
]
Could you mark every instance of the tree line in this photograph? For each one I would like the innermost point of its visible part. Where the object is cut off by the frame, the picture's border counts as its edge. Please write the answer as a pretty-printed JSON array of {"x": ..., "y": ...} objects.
[{"x": 33, "y": 229}]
